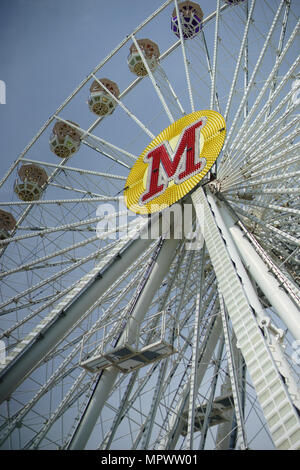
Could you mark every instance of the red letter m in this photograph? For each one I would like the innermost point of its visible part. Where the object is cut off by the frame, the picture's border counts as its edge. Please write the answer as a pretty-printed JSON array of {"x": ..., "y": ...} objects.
[{"x": 166, "y": 165}]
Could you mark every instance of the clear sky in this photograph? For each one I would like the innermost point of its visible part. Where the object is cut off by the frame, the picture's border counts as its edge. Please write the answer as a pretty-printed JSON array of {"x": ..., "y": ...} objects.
[{"x": 46, "y": 48}]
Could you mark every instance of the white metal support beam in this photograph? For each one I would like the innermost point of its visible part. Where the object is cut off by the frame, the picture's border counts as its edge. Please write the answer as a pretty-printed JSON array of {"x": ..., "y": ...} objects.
[{"x": 274, "y": 397}]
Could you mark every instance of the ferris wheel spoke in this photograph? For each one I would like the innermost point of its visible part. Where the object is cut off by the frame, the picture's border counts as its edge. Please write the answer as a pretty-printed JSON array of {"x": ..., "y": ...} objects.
[
  {"x": 278, "y": 156},
  {"x": 179, "y": 399},
  {"x": 80, "y": 397},
  {"x": 251, "y": 181},
  {"x": 34, "y": 443},
  {"x": 130, "y": 403},
  {"x": 169, "y": 92},
  {"x": 17, "y": 307},
  {"x": 240, "y": 178},
  {"x": 175, "y": 423},
  {"x": 153, "y": 81},
  {"x": 81, "y": 282},
  {"x": 280, "y": 47},
  {"x": 254, "y": 157},
  {"x": 77, "y": 170},
  {"x": 203, "y": 79},
  {"x": 46, "y": 281},
  {"x": 253, "y": 161},
  {"x": 61, "y": 372},
  {"x": 100, "y": 143},
  {"x": 74, "y": 190},
  {"x": 59, "y": 312},
  {"x": 19, "y": 416},
  {"x": 242, "y": 145},
  {"x": 215, "y": 56},
  {"x": 254, "y": 203},
  {"x": 149, "y": 422},
  {"x": 284, "y": 191},
  {"x": 127, "y": 111},
  {"x": 124, "y": 405},
  {"x": 59, "y": 201},
  {"x": 260, "y": 141}
]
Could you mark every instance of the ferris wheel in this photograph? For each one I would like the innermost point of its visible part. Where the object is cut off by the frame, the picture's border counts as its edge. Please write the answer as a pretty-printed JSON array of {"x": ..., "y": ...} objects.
[{"x": 149, "y": 251}]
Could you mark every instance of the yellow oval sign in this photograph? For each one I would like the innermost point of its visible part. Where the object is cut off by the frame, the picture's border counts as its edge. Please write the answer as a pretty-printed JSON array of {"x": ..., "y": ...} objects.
[{"x": 175, "y": 161}]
